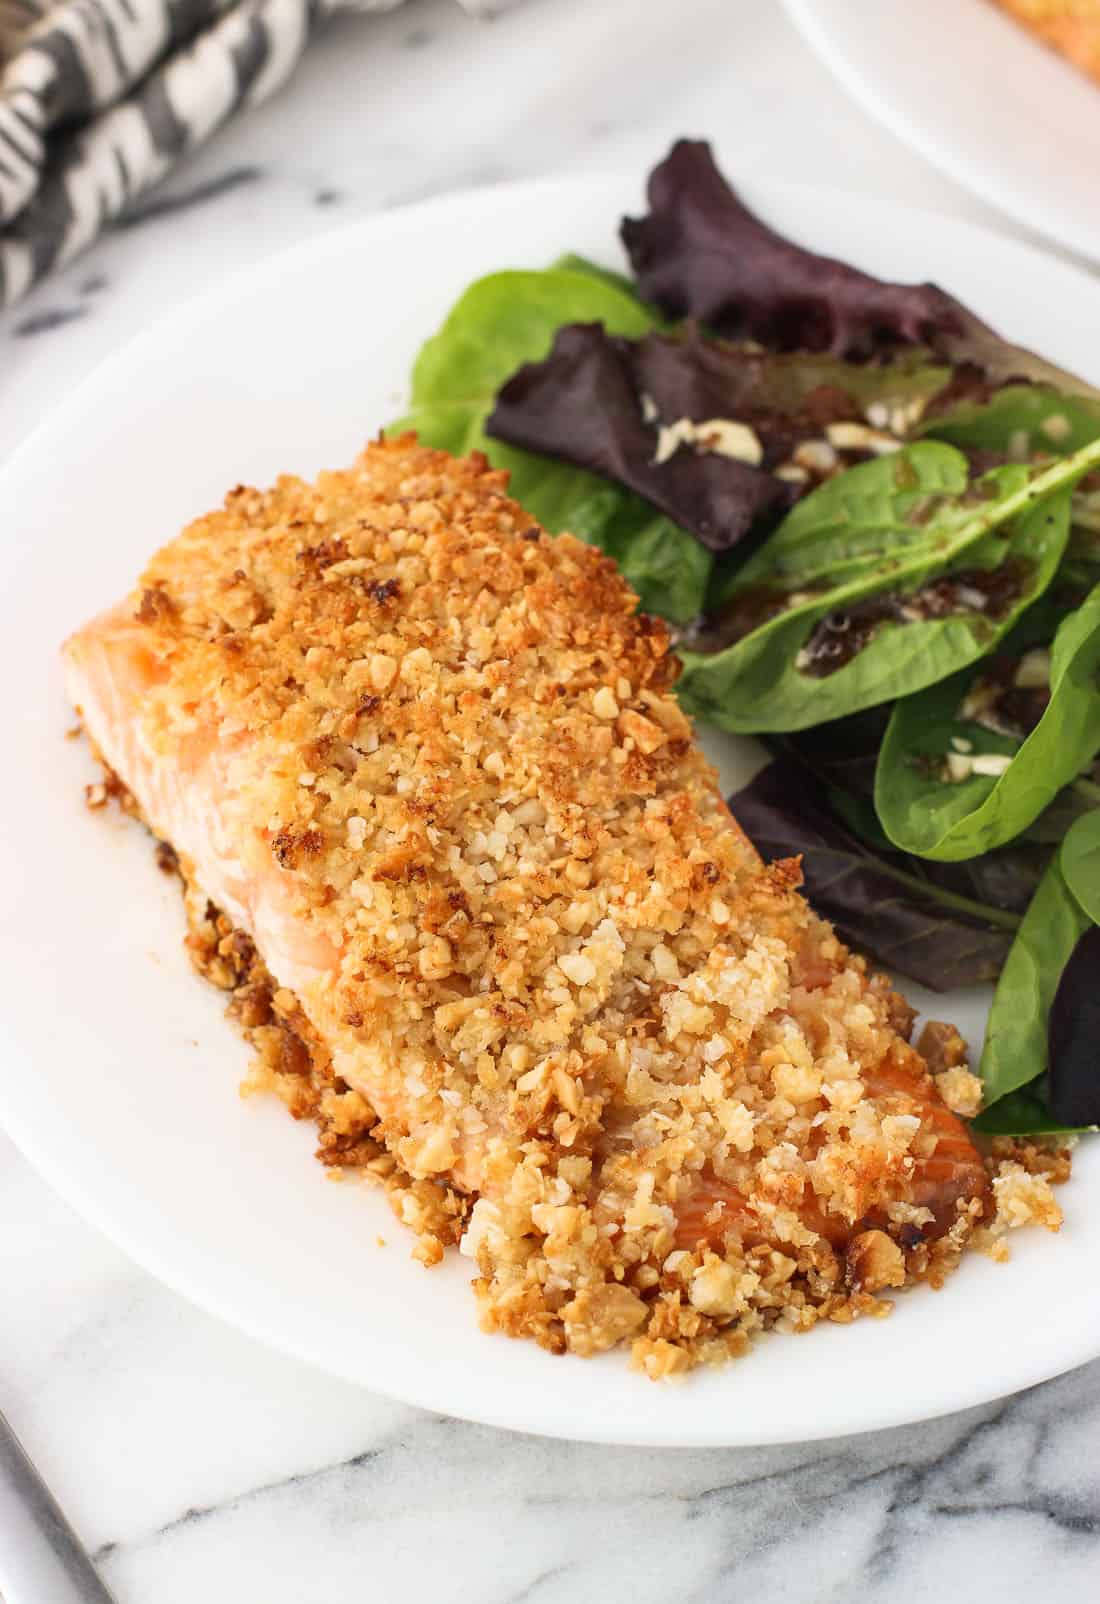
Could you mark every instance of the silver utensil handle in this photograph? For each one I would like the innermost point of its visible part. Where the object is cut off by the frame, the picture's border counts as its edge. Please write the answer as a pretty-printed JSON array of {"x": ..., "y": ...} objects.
[{"x": 41, "y": 1560}]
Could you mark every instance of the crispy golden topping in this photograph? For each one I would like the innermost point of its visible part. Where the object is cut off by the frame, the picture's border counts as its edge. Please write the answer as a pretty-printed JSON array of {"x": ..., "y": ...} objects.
[{"x": 666, "y": 1104}]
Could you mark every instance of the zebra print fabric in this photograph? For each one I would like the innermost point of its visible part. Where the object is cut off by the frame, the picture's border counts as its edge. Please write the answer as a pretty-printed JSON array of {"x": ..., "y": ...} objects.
[{"x": 100, "y": 98}]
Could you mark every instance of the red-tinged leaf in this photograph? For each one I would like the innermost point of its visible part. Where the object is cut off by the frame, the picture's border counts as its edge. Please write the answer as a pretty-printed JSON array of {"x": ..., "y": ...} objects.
[
  {"x": 584, "y": 403},
  {"x": 1073, "y": 1036},
  {"x": 701, "y": 253},
  {"x": 941, "y": 939}
]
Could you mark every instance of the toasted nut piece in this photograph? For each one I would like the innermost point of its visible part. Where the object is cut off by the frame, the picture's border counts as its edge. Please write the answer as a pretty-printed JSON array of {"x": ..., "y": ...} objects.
[
  {"x": 990, "y": 764},
  {"x": 670, "y": 437},
  {"x": 957, "y": 767},
  {"x": 817, "y": 456},
  {"x": 599, "y": 1317},
  {"x": 858, "y": 437},
  {"x": 725, "y": 437},
  {"x": 1033, "y": 670},
  {"x": 646, "y": 735},
  {"x": 960, "y": 1090},
  {"x": 872, "y": 1261},
  {"x": 941, "y": 1046},
  {"x": 567, "y": 1090},
  {"x": 604, "y": 704}
]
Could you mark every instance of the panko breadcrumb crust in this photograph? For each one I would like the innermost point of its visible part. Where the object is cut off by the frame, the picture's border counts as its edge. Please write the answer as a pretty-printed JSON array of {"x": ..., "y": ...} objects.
[{"x": 566, "y": 1013}]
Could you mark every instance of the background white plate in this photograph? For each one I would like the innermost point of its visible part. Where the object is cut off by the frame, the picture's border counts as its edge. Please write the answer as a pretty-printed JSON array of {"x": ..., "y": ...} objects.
[
  {"x": 117, "y": 1070},
  {"x": 979, "y": 97}
]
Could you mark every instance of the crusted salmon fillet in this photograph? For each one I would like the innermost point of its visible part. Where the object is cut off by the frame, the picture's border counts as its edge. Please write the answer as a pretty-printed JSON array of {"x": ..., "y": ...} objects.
[{"x": 426, "y": 758}]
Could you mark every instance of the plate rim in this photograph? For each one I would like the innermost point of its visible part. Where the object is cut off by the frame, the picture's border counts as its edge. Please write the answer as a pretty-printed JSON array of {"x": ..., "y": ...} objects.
[
  {"x": 424, "y": 1397},
  {"x": 82, "y": 1197},
  {"x": 984, "y": 180}
]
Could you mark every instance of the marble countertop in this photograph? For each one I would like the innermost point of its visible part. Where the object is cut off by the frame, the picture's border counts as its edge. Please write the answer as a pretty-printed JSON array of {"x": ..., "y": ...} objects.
[{"x": 197, "y": 1465}]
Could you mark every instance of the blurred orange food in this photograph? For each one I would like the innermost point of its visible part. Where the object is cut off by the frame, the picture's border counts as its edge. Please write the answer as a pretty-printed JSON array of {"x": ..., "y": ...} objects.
[{"x": 1070, "y": 26}]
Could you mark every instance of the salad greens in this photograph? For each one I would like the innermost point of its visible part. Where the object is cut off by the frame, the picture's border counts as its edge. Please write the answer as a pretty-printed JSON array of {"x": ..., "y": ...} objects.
[
  {"x": 886, "y": 529},
  {"x": 879, "y": 900},
  {"x": 1022, "y": 416},
  {"x": 875, "y": 525},
  {"x": 1080, "y": 863},
  {"x": 1073, "y": 1085},
  {"x": 1024, "y": 1113},
  {"x": 1015, "y": 1051},
  {"x": 520, "y": 311},
  {"x": 925, "y": 811},
  {"x": 570, "y": 262},
  {"x": 583, "y": 404},
  {"x": 628, "y": 409},
  {"x": 501, "y": 322},
  {"x": 1039, "y": 1063},
  {"x": 700, "y": 253}
]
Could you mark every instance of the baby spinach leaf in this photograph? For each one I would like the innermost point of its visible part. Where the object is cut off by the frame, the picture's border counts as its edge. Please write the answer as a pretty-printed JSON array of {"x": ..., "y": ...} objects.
[
  {"x": 877, "y": 511},
  {"x": 925, "y": 813},
  {"x": 939, "y": 937},
  {"x": 1021, "y": 418},
  {"x": 1073, "y": 1030},
  {"x": 1064, "y": 1096},
  {"x": 501, "y": 322},
  {"x": 841, "y": 757},
  {"x": 915, "y": 507},
  {"x": 1015, "y": 1051},
  {"x": 1024, "y": 1113},
  {"x": 1080, "y": 859},
  {"x": 884, "y": 556}
]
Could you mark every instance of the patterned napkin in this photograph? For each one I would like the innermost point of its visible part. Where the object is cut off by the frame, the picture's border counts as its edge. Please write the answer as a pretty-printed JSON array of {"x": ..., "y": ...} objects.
[{"x": 99, "y": 99}]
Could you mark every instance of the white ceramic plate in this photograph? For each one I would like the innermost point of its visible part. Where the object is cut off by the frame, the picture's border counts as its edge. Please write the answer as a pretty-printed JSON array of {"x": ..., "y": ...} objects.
[
  {"x": 118, "y": 1073},
  {"x": 979, "y": 97}
]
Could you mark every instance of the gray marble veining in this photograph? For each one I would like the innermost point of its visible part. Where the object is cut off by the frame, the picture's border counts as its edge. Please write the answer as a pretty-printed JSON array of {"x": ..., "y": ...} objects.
[
  {"x": 884, "y": 1515},
  {"x": 200, "y": 1466}
]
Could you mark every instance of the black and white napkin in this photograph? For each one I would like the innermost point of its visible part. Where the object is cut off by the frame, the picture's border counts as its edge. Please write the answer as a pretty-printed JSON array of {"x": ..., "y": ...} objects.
[{"x": 99, "y": 99}]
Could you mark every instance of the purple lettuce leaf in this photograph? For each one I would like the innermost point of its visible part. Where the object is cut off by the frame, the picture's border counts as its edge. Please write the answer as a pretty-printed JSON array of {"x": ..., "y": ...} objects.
[
  {"x": 600, "y": 402},
  {"x": 874, "y": 898},
  {"x": 700, "y": 253},
  {"x": 587, "y": 402},
  {"x": 1073, "y": 1034}
]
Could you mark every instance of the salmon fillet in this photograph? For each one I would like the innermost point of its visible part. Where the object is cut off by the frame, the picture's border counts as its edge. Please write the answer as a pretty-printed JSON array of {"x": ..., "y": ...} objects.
[{"x": 426, "y": 758}]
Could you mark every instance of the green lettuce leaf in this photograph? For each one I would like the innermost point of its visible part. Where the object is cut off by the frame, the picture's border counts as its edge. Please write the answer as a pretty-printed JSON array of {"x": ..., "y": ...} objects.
[
  {"x": 937, "y": 818},
  {"x": 886, "y": 528},
  {"x": 1025, "y": 417},
  {"x": 1015, "y": 1051},
  {"x": 1080, "y": 862},
  {"x": 1024, "y": 1113},
  {"x": 501, "y": 322}
]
